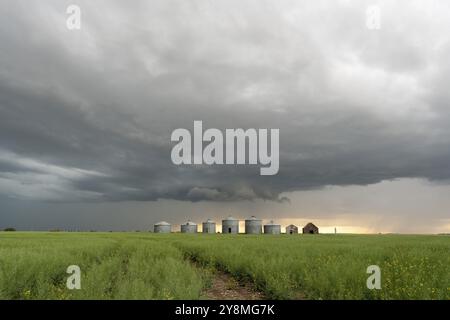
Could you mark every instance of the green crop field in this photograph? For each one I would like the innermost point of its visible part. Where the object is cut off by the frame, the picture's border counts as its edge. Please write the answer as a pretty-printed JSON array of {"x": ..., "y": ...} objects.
[{"x": 180, "y": 266}]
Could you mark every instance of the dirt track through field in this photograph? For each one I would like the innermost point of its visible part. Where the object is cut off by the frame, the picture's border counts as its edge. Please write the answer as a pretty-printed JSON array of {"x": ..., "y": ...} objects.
[{"x": 225, "y": 287}]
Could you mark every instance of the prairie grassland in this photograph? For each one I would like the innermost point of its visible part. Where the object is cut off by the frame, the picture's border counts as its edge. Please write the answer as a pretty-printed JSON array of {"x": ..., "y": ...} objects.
[{"x": 157, "y": 266}]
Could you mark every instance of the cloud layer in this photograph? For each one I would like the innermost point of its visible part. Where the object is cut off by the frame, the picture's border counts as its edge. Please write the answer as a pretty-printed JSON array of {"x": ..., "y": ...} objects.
[{"x": 87, "y": 115}]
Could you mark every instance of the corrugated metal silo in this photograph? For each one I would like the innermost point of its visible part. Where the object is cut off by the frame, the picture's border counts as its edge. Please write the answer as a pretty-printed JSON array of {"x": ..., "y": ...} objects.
[
  {"x": 162, "y": 227},
  {"x": 272, "y": 228},
  {"x": 209, "y": 226},
  {"x": 230, "y": 225},
  {"x": 253, "y": 225},
  {"x": 189, "y": 227}
]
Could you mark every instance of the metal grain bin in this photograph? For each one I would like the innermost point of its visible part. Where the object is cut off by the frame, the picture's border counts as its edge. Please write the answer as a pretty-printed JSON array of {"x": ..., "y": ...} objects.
[
  {"x": 253, "y": 225},
  {"x": 162, "y": 227},
  {"x": 272, "y": 228},
  {"x": 209, "y": 226},
  {"x": 189, "y": 227},
  {"x": 230, "y": 225}
]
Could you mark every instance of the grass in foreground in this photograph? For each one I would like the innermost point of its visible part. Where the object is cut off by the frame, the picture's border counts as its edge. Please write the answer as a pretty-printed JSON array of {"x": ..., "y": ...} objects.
[{"x": 153, "y": 266}]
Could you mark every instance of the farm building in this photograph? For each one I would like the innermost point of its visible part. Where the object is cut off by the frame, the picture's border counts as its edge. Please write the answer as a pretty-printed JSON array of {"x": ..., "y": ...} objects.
[
  {"x": 230, "y": 225},
  {"x": 162, "y": 227},
  {"x": 291, "y": 229},
  {"x": 189, "y": 227},
  {"x": 272, "y": 228},
  {"x": 253, "y": 225},
  {"x": 310, "y": 228},
  {"x": 209, "y": 226}
]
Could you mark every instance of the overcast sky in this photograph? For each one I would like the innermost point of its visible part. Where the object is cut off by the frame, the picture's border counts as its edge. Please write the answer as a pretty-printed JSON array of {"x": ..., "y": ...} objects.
[{"x": 86, "y": 115}]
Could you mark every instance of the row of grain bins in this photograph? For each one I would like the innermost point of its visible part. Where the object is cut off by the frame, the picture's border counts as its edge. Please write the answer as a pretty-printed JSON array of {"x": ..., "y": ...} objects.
[
  {"x": 253, "y": 225},
  {"x": 230, "y": 225}
]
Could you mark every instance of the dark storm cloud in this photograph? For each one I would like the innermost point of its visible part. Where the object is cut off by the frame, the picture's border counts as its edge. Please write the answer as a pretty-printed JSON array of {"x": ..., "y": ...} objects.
[{"x": 87, "y": 115}]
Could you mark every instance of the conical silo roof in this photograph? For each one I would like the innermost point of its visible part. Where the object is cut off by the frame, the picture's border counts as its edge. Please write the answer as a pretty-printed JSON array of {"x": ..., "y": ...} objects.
[
  {"x": 229, "y": 218},
  {"x": 162, "y": 223}
]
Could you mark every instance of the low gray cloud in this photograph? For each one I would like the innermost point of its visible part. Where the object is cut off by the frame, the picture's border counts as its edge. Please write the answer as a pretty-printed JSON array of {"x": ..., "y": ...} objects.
[{"x": 87, "y": 115}]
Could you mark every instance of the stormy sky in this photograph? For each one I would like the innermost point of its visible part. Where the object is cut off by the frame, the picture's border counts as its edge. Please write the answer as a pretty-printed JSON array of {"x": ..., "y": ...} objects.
[{"x": 86, "y": 115}]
